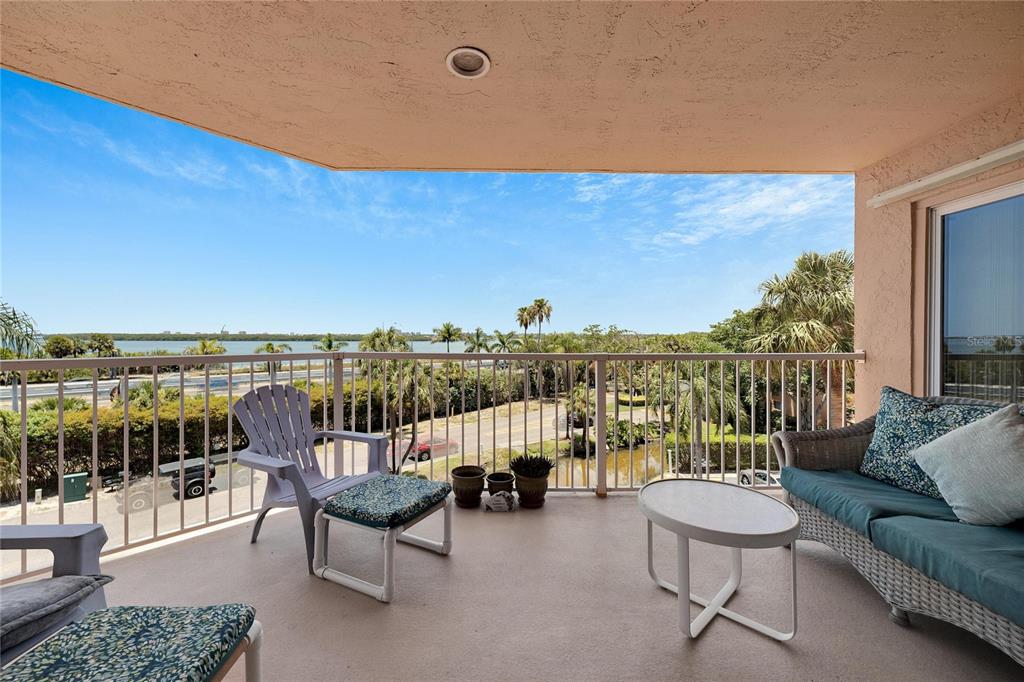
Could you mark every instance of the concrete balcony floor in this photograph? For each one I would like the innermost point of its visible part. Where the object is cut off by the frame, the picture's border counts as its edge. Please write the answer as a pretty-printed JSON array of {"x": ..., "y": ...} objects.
[{"x": 560, "y": 593}]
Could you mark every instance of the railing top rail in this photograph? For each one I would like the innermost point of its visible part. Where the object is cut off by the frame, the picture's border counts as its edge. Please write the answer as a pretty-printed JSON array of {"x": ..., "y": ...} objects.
[
  {"x": 166, "y": 360},
  {"x": 639, "y": 357},
  {"x": 155, "y": 361}
]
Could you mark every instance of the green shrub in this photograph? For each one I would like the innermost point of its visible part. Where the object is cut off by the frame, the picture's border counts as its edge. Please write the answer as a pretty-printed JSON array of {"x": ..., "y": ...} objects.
[{"x": 51, "y": 404}]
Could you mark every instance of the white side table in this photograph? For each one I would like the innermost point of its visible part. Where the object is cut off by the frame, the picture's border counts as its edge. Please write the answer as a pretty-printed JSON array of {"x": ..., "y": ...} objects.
[{"x": 718, "y": 514}]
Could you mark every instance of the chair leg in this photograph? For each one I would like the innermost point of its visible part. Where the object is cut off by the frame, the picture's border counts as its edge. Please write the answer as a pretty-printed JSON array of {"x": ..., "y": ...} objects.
[
  {"x": 899, "y": 616},
  {"x": 253, "y": 668},
  {"x": 320, "y": 533},
  {"x": 307, "y": 513},
  {"x": 390, "y": 536},
  {"x": 259, "y": 523}
]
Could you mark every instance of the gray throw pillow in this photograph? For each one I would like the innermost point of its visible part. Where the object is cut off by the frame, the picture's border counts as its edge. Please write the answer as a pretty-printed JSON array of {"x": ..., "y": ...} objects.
[
  {"x": 26, "y": 609},
  {"x": 979, "y": 468}
]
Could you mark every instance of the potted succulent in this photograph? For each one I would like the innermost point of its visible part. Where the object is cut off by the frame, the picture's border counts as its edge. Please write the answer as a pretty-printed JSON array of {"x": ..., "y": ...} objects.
[
  {"x": 531, "y": 479},
  {"x": 468, "y": 484},
  {"x": 499, "y": 481}
]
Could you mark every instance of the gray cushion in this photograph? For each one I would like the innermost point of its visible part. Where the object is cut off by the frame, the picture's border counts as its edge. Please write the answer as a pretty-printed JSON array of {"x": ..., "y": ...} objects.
[
  {"x": 26, "y": 609},
  {"x": 979, "y": 468}
]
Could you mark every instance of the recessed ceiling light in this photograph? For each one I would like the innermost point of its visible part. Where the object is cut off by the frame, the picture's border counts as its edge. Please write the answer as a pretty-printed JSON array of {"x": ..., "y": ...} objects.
[{"x": 468, "y": 62}]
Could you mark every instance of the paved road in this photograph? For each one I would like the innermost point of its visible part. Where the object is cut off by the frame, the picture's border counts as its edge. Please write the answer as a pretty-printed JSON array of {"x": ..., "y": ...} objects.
[
  {"x": 475, "y": 434},
  {"x": 193, "y": 384}
]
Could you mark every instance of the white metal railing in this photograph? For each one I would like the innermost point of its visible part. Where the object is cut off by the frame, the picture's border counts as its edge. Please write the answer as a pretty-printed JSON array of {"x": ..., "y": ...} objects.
[{"x": 127, "y": 434}]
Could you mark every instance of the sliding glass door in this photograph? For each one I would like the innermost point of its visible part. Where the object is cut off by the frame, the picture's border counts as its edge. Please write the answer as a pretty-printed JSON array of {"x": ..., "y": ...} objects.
[{"x": 977, "y": 294}]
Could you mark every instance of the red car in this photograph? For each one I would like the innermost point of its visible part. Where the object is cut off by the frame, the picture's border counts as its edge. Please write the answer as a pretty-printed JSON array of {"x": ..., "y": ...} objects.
[{"x": 423, "y": 450}]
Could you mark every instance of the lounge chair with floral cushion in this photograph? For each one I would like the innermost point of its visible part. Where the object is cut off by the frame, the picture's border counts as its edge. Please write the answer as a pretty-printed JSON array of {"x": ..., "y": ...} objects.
[
  {"x": 59, "y": 629},
  {"x": 153, "y": 643}
]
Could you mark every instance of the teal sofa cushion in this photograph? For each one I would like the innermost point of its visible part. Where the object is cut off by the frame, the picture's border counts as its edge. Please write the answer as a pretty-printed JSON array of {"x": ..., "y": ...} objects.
[
  {"x": 386, "y": 501},
  {"x": 984, "y": 563},
  {"x": 905, "y": 423},
  {"x": 857, "y": 500},
  {"x": 153, "y": 643}
]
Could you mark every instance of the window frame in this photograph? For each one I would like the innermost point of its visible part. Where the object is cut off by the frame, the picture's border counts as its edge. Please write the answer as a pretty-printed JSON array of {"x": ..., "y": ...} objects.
[{"x": 935, "y": 272}]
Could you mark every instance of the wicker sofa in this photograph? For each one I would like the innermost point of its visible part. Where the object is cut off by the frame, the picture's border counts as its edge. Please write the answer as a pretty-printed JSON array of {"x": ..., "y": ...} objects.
[{"x": 859, "y": 517}]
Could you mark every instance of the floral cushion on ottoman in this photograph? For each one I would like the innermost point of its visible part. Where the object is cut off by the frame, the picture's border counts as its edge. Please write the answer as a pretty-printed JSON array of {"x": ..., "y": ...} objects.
[
  {"x": 387, "y": 501},
  {"x": 153, "y": 643},
  {"x": 905, "y": 423}
]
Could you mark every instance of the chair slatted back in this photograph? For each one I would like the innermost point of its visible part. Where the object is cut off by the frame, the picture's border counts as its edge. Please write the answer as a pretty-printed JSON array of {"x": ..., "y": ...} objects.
[{"x": 276, "y": 420}]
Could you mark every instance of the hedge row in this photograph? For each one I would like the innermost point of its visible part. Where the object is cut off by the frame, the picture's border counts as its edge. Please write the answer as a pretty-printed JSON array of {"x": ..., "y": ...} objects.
[{"x": 43, "y": 437}]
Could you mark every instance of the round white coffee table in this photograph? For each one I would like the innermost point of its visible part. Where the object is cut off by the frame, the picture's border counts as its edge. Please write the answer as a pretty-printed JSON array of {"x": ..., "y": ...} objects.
[{"x": 718, "y": 514}]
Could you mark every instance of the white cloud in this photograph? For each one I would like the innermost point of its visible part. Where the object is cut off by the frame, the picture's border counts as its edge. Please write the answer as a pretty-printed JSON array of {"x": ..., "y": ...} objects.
[
  {"x": 742, "y": 205},
  {"x": 197, "y": 167},
  {"x": 726, "y": 207},
  {"x": 591, "y": 188}
]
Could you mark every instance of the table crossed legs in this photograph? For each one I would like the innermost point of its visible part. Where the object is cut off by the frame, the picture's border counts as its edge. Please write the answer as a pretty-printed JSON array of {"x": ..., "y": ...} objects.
[{"x": 714, "y": 606}]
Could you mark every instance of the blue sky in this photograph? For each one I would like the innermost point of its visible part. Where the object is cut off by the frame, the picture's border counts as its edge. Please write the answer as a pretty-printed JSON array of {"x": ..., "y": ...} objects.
[{"x": 116, "y": 220}]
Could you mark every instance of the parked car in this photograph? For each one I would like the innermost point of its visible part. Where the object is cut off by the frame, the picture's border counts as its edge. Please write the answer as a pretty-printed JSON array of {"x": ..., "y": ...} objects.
[
  {"x": 169, "y": 485},
  {"x": 560, "y": 423},
  {"x": 424, "y": 450},
  {"x": 762, "y": 477}
]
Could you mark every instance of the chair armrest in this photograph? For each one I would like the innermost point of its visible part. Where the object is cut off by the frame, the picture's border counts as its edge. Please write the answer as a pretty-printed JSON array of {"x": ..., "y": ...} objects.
[
  {"x": 368, "y": 438},
  {"x": 828, "y": 449},
  {"x": 76, "y": 547},
  {"x": 376, "y": 462},
  {"x": 274, "y": 466}
]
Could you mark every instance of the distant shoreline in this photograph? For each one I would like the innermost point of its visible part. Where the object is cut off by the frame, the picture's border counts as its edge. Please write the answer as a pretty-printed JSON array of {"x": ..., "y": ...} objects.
[{"x": 120, "y": 336}]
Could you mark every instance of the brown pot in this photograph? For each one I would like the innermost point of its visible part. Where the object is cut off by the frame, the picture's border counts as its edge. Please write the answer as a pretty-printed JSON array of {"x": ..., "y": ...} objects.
[
  {"x": 468, "y": 483},
  {"x": 500, "y": 481},
  {"x": 531, "y": 491}
]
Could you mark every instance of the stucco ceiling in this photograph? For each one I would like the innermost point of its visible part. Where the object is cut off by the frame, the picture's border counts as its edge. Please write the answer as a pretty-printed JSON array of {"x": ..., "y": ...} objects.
[{"x": 687, "y": 86}]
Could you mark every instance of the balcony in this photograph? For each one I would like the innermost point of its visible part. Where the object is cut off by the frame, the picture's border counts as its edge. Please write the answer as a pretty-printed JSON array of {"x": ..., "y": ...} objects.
[
  {"x": 639, "y": 422},
  {"x": 559, "y": 592},
  {"x": 556, "y": 593}
]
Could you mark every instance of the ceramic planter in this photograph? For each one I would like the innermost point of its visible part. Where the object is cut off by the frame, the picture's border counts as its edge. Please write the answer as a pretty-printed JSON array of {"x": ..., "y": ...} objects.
[
  {"x": 500, "y": 481},
  {"x": 468, "y": 483},
  {"x": 531, "y": 491}
]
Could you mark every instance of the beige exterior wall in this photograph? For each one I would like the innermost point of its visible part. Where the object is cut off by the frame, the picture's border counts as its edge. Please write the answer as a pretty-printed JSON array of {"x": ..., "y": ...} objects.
[{"x": 891, "y": 246}]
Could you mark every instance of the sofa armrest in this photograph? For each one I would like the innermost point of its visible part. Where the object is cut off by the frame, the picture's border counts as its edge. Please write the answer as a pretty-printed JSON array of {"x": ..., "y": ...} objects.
[
  {"x": 76, "y": 547},
  {"x": 828, "y": 449}
]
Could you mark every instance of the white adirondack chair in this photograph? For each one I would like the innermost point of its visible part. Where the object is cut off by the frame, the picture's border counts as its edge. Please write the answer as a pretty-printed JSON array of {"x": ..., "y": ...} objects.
[{"x": 276, "y": 419}]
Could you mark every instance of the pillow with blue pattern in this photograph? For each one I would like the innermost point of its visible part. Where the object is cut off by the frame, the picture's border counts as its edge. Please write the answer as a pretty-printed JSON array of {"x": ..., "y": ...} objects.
[{"x": 905, "y": 423}]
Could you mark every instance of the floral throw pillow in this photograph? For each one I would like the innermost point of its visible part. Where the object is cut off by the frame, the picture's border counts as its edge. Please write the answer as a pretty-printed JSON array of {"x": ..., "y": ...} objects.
[{"x": 905, "y": 423}]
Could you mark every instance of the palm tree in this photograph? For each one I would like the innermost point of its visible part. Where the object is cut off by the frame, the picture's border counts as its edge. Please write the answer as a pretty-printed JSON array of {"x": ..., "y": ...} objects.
[
  {"x": 809, "y": 310},
  {"x": 477, "y": 342},
  {"x": 404, "y": 382},
  {"x": 689, "y": 393},
  {"x": 206, "y": 347},
  {"x": 505, "y": 342},
  {"x": 101, "y": 345},
  {"x": 524, "y": 317},
  {"x": 445, "y": 334},
  {"x": 328, "y": 343},
  {"x": 541, "y": 308},
  {"x": 17, "y": 330},
  {"x": 269, "y": 347},
  {"x": 390, "y": 340}
]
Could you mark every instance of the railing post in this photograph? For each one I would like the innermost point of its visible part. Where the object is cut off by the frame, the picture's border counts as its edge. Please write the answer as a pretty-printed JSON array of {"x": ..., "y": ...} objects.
[
  {"x": 339, "y": 417},
  {"x": 601, "y": 446}
]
